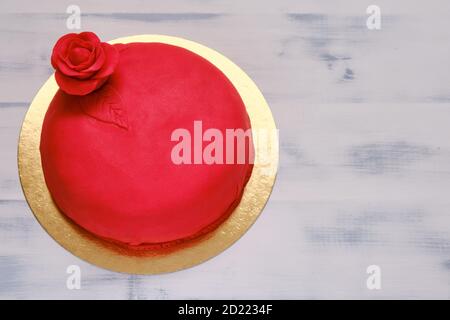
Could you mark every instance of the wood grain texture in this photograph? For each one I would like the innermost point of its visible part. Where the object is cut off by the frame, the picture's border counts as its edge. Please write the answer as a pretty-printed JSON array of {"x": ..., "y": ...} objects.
[{"x": 365, "y": 151}]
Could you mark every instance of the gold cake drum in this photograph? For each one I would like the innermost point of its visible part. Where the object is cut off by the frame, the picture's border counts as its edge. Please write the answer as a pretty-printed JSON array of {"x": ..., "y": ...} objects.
[{"x": 117, "y": 258}]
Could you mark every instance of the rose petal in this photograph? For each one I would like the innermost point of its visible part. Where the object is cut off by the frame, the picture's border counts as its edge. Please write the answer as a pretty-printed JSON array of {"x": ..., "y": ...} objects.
[
  {"x": 70, "y": 45},
  {"x": 64, "y": 47},
  {"x": 89, "y": 36},
  {"x": 85, "y": 75},
  {"x": 65, "y": 69},
  {"x": 60, "y": 46},
  {"x": 62, "y": 42},
  {"x": 84, "y": 65},
  {"x": 112, "y": 58},
  {"x": 78, "y": 55},
  {"x": 74, "y": 45},
  {"x": 85, "y": 70},
  {"x": 100, "y": 59},
  {"x": 77, "y": 87},
  {"x": 78, "y": 42}
]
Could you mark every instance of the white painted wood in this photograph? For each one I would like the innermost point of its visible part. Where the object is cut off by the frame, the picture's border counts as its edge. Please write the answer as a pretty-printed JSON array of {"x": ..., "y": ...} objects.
[{"x": 365, "y": 151}]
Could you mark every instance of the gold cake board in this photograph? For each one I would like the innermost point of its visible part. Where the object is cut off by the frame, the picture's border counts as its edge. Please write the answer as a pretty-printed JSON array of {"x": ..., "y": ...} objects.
[{"x": 117, "y": 258}]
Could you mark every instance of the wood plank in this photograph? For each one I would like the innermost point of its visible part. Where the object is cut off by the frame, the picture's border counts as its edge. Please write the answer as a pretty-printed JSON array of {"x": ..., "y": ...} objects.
[{"x": 365, "y": 155}]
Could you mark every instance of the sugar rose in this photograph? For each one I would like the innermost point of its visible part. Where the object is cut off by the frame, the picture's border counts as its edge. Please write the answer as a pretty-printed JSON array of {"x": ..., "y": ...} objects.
[{"x": 82, "y": 62}]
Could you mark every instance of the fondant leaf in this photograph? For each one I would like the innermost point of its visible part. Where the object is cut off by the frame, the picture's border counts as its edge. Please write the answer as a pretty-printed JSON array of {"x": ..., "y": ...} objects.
[{"x": 105, "y": 105}]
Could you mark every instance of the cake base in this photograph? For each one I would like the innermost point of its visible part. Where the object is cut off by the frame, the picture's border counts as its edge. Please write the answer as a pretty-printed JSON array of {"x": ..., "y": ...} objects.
[{"x": 121, "y": 259}]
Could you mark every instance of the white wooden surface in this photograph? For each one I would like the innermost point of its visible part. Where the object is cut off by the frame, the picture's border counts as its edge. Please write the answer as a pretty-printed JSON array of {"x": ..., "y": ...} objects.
[{"x": 364, "y": 118}]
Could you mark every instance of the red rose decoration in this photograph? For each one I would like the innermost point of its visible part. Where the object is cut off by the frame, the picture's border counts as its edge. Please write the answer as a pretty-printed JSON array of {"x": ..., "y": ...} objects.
[{"x": 83, "y": 63}]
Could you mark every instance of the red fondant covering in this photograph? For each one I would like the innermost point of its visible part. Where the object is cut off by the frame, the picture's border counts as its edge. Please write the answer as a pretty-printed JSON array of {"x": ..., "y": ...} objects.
[{"x": 106, "y": 156}]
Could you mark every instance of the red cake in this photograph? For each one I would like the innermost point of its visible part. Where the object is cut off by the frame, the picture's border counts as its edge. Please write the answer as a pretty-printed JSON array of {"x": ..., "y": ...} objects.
[{"x": 107, "y": 141}]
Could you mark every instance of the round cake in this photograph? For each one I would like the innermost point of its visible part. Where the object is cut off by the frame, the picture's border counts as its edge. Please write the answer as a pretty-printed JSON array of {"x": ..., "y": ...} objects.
[{"x": 112, "y": 136}]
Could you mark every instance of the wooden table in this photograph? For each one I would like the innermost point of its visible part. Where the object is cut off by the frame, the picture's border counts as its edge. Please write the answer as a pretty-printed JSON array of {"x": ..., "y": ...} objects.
[{"x": 364, "y": 119}]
